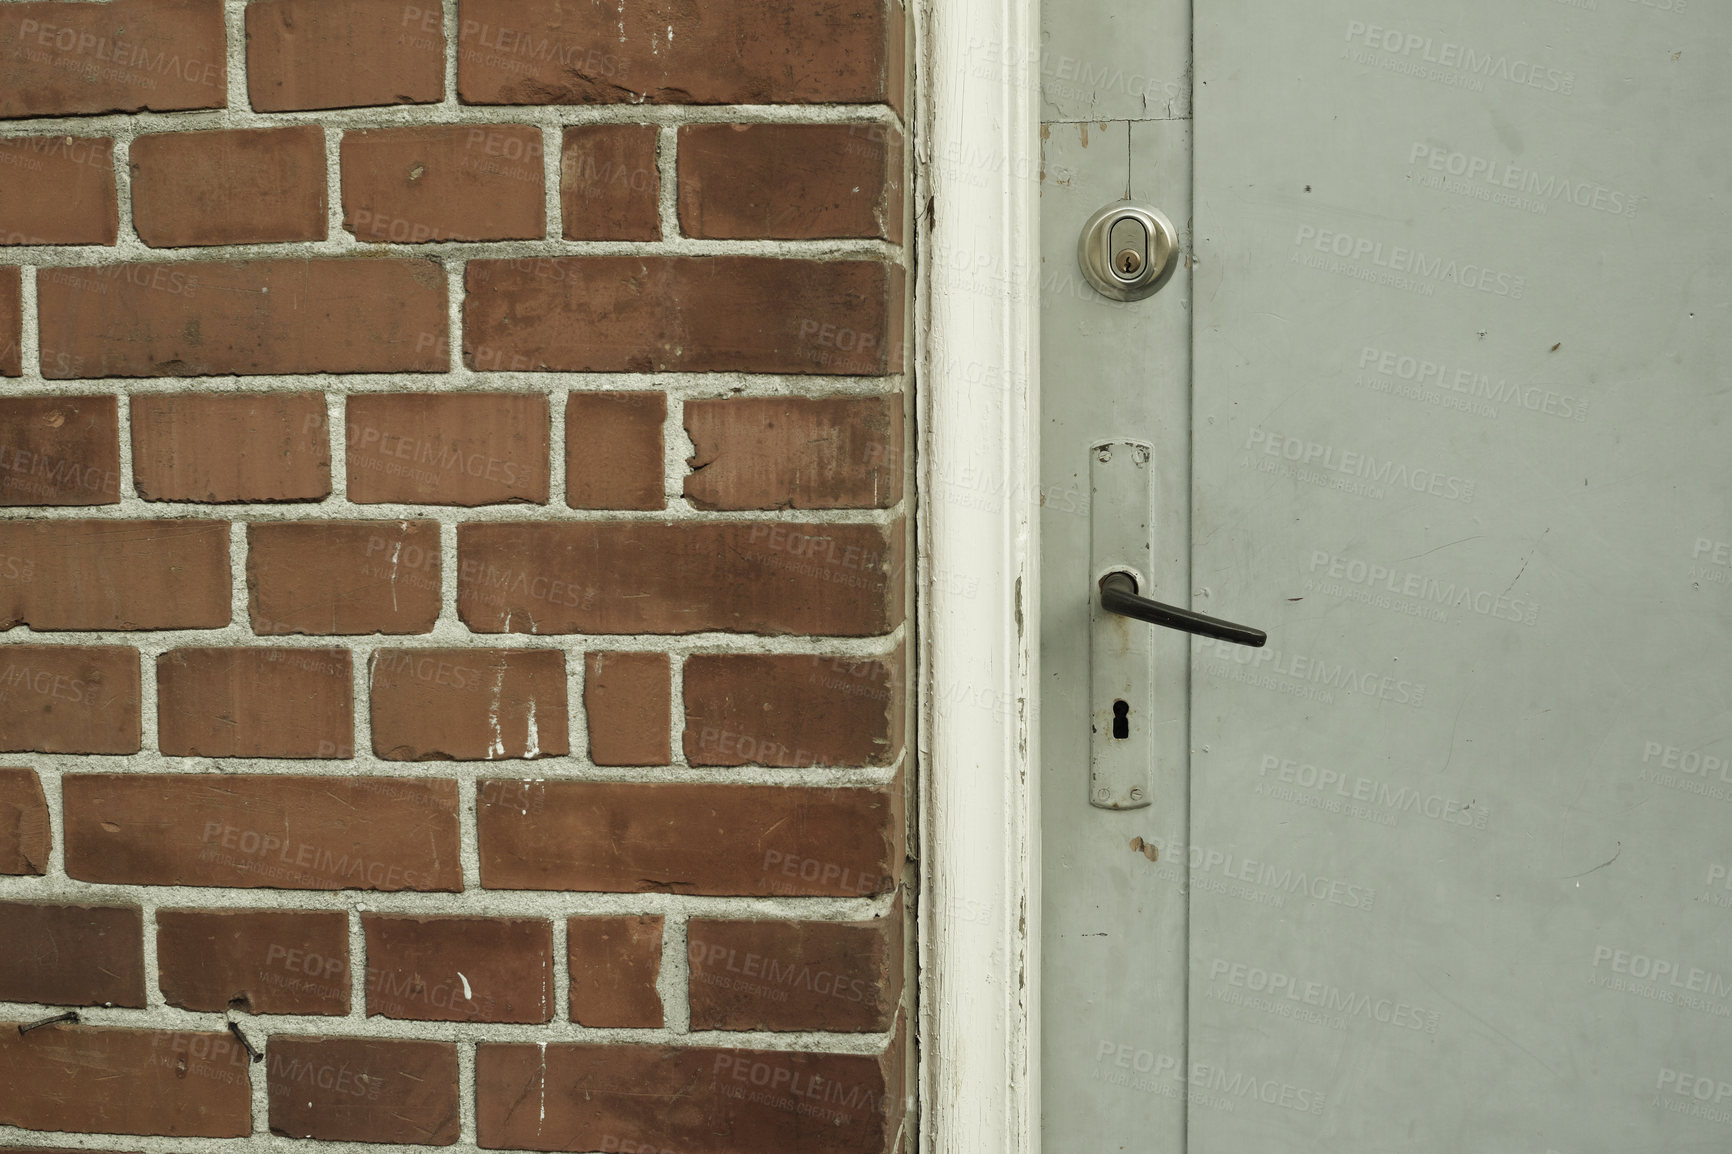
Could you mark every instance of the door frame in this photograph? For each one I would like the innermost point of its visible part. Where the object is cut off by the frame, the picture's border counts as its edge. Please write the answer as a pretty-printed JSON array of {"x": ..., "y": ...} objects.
[{"x": 976, "y": 332}]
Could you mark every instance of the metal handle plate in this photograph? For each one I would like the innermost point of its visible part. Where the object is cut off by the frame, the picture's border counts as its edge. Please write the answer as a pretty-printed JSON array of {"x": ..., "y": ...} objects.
[{"x": 1121, "y": 649}]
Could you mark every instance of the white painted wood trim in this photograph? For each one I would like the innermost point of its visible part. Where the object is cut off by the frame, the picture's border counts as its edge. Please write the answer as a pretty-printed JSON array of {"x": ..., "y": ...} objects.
[{"x": 977, "y": 348}]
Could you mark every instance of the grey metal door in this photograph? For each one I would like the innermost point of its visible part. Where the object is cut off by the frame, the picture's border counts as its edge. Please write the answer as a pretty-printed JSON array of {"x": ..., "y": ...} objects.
[{"x": 1441, "y": 401}]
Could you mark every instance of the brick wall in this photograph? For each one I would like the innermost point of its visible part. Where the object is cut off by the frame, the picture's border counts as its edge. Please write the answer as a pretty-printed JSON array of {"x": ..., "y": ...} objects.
[{"x": 452, "y": 540}]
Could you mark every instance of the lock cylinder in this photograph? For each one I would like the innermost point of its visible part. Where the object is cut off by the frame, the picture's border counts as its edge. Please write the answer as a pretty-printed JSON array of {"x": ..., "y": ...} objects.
[
  {"x": 1129, "y": 242},
  {"x": 1128, "y": 250}
]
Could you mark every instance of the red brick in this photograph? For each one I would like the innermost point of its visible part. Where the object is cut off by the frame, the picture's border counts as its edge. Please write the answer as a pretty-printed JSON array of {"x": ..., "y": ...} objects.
[
  {"x": 444, "y": 182},
  {"x": 68, "y": 59},
  {"x": 468, "y": 704},
  {"x": 96, "y": 1080},
  {"x": 59, "y": 451},
  {"x": 264, "y": 961},
  {"x": 684, "y": 577},
  {"x": 25, "y": 836},
  {"x": 614, "y": 964},
  {"x": 626, "y": 698},
  {"x": 217, "y": 447},
  {"x": 305, "y": 54},
  {"x": 782, "y": 975},
  {"x": 231, "y": 186},
  {"x": 72, "y": 955},
  {"x": 619, "y": 837},
  {"x": 254, "y": 831},
  {"x": 448, "y": 448},
  {"x": 363, "y": 1090},
  {"x": 635, "y": 314},
  {"x": 609, "y": 182},
  {"x": 11, "y": 315},
  {"x": 215, "y": 318},
  {"x": 57, "y": 190},
  {"x": 793, "y": 711},
  {"x": 234, "y": 702},
  {"x": 534, "y": 1096},
  {"x": 343, "y": 576},
  {"x": 793, "y": 181},
  {"x": 71, "y": 574},
  {"x": 726, "y": 52},
  {"x": 69, "y": 699},
  {"x": 613, "y": 450},
  {"x": 451, "y": 969},
  {"x": 795, "y": 452}
]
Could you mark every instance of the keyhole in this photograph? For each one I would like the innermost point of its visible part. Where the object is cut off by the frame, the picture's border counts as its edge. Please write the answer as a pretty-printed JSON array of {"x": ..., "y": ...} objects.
[
  {"x": 1129, "y": 262},
  {"x": 1121, "y": 720}
]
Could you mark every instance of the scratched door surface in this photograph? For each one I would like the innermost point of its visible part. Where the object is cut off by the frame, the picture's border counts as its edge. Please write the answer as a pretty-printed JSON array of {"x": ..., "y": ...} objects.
[{"x": 1460, "y": 835}]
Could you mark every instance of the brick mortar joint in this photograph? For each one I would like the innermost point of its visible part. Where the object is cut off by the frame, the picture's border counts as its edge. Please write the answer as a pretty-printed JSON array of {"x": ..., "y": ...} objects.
[
  {"x": 153, "y": 643},
  {"x": 545, "y": 904},
  {"x": 363, "y": 1025},
  {"x": 447, "y": 114}
]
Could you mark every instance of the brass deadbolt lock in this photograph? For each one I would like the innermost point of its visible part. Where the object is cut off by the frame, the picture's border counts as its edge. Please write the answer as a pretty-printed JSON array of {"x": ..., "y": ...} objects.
[{"x": 1128, "y": 250}]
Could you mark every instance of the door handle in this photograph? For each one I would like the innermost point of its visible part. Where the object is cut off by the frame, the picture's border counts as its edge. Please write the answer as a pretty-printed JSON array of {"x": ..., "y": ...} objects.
[
  {"x": 1119, "y": 595},
  {"x": 1122, "y": 712}
]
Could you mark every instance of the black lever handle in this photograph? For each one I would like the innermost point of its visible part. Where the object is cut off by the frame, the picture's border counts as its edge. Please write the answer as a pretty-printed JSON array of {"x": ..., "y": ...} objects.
[{"x": 1119, "y": 595}]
